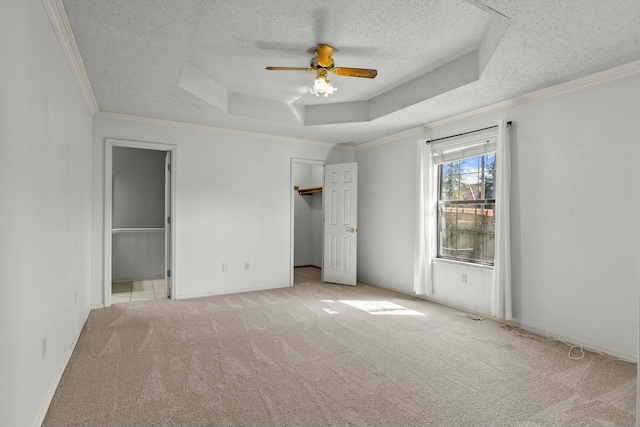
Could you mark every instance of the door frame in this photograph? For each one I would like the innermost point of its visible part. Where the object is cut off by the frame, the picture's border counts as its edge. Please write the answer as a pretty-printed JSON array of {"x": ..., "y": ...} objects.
[
  {"x": 295, "y": 161},
  {"x": 109, "y": 143}
]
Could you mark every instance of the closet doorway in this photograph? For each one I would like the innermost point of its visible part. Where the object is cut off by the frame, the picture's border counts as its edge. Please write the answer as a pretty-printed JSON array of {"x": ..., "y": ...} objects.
[
  {"x": 324, "y": 219},
  {"x": 307, "y": 177},
  {"x": 138, "y": 217}
]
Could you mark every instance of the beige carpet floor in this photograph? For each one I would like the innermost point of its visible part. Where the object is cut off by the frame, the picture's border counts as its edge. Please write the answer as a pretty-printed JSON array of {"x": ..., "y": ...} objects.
[{"x": 327, "y": 355}]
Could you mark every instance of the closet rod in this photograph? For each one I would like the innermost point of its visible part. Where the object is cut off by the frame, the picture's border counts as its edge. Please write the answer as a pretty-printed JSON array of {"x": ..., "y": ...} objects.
[
  {"x": 308, "y": 191},
  {"x": 429, "y": 141}
]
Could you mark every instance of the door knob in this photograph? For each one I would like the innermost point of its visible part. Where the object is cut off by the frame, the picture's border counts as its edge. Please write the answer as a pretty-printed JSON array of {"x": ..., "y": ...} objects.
[{"x": 351, "y": 230}]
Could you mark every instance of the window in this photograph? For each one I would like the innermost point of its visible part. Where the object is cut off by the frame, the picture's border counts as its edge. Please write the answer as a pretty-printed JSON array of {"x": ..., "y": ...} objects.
[{"x": 466, "y": 202}]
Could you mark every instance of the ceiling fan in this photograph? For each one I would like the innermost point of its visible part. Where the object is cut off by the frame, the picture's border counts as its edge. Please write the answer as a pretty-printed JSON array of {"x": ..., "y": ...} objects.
[{"x": 322, "y": 64}]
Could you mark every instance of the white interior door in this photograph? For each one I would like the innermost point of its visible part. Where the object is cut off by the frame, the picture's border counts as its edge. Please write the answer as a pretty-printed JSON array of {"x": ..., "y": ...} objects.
[
  {"x": 340, "y": 223},
  {"x": 167, "y": 222}
]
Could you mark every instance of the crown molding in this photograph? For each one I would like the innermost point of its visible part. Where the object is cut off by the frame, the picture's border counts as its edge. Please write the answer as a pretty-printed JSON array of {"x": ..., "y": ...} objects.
[
  {"x": 571, "y": 86},
  {"x": 62, "y": 28},
  {"x": 214, "y": 129},
  {"x": 393, "y": 137},
  {"x": 60, "y": 23}
]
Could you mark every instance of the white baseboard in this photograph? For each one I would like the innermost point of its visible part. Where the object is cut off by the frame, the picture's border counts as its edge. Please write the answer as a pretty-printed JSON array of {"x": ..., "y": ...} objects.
[
  {"x": 570, "y": 341},
  {"x": 231, "y": 291},
  {"x": 63, "y": 366},
  {"x": 520, "y": 325}
]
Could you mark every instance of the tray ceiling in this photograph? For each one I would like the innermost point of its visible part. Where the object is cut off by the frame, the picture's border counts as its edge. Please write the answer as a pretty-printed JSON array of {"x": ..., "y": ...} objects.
[{"x": 203, "y": 61}]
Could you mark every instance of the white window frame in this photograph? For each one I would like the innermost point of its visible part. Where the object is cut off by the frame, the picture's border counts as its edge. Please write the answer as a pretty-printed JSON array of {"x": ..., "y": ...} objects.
[{"x": 458, "y": 147}]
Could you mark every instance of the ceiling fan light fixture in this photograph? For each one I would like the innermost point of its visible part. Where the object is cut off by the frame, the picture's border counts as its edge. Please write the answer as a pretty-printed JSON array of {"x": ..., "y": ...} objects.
[
  {"x": 322, "y": 64},
  {"x": 322, "y": 85}
]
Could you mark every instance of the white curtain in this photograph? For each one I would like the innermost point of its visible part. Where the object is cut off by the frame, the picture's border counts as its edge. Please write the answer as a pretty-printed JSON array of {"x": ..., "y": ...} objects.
[
  {"x": 425, "y": 220},
  {"x": 472, "y": 143},
  {"x": 501, "y": 289}
]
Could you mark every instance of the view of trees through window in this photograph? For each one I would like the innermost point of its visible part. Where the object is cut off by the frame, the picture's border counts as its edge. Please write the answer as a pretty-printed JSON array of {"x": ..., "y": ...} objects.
[{"x": 466, "y": 204}]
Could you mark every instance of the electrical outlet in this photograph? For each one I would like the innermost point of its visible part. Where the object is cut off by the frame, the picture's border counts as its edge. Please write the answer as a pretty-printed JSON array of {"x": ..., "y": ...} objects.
[
  {"x": 246, "y": 265},
  {"x": 44, "y": 347},
  {"x": 225, "y": 267},
  {"x": 464, "y": 278}
]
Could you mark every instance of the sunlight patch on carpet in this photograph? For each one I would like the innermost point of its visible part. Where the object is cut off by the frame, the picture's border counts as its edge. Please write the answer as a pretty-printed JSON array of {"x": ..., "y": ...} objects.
[{"x": 382, "y": 307}]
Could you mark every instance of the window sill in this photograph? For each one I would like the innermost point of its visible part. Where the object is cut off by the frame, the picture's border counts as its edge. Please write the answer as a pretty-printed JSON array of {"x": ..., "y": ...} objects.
[{"x": 463, "y": 264}]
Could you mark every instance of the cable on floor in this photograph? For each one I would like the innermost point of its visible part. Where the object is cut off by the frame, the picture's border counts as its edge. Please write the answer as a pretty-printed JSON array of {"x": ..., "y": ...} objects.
[{"x": 516, "y": 331}]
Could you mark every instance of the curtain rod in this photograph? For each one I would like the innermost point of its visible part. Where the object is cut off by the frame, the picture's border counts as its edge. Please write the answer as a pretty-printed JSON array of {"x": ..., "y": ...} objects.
[{"x": 429, "y": 141}]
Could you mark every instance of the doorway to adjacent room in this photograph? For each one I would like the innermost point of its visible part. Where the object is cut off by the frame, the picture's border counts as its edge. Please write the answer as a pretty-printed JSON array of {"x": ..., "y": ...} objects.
[{"x": 138, "y": 254}]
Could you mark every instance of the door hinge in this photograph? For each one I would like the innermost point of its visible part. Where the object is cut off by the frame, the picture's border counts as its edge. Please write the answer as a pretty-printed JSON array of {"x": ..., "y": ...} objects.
[
  {"x": 168, "y": 273},
  {"x": 168, "y": 220},
  {"x": 169, "y": 167}
]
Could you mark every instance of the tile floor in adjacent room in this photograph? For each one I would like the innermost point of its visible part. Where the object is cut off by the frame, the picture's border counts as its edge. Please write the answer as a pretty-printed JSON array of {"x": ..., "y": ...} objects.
[{"x": 143, "y": 290}]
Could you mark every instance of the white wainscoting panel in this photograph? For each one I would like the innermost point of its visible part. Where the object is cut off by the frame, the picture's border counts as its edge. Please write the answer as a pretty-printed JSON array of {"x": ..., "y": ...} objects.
[{"x": 137, "y": 254}]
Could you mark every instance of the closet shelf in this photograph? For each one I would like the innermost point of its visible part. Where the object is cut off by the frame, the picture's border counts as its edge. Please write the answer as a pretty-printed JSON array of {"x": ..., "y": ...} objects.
[{"x": 309, "y": 191}]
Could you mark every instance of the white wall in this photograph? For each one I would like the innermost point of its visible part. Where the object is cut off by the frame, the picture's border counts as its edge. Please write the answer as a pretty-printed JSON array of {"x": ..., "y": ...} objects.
[
  {"x": 308, "y": 215},
  {"x": 386, "y": 194},
  {"x": 45, "y": 210},
  {"x": 317, "y": 229},
  {"x": 575, "y": 233},
  {"x": 233, "y": 205},
  {"x": 138, "y": 188}
]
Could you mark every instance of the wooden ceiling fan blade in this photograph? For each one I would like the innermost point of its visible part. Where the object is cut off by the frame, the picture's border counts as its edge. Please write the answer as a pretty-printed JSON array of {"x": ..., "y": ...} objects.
[
  {"x": 355, "y": 72},
  {"x": 289, "y": 69},
  {"x": 324, "y": 55}
]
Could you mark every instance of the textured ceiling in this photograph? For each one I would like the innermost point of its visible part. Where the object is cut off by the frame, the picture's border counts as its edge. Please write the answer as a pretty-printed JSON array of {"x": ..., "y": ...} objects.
[{"x": 203, "y": 61}]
